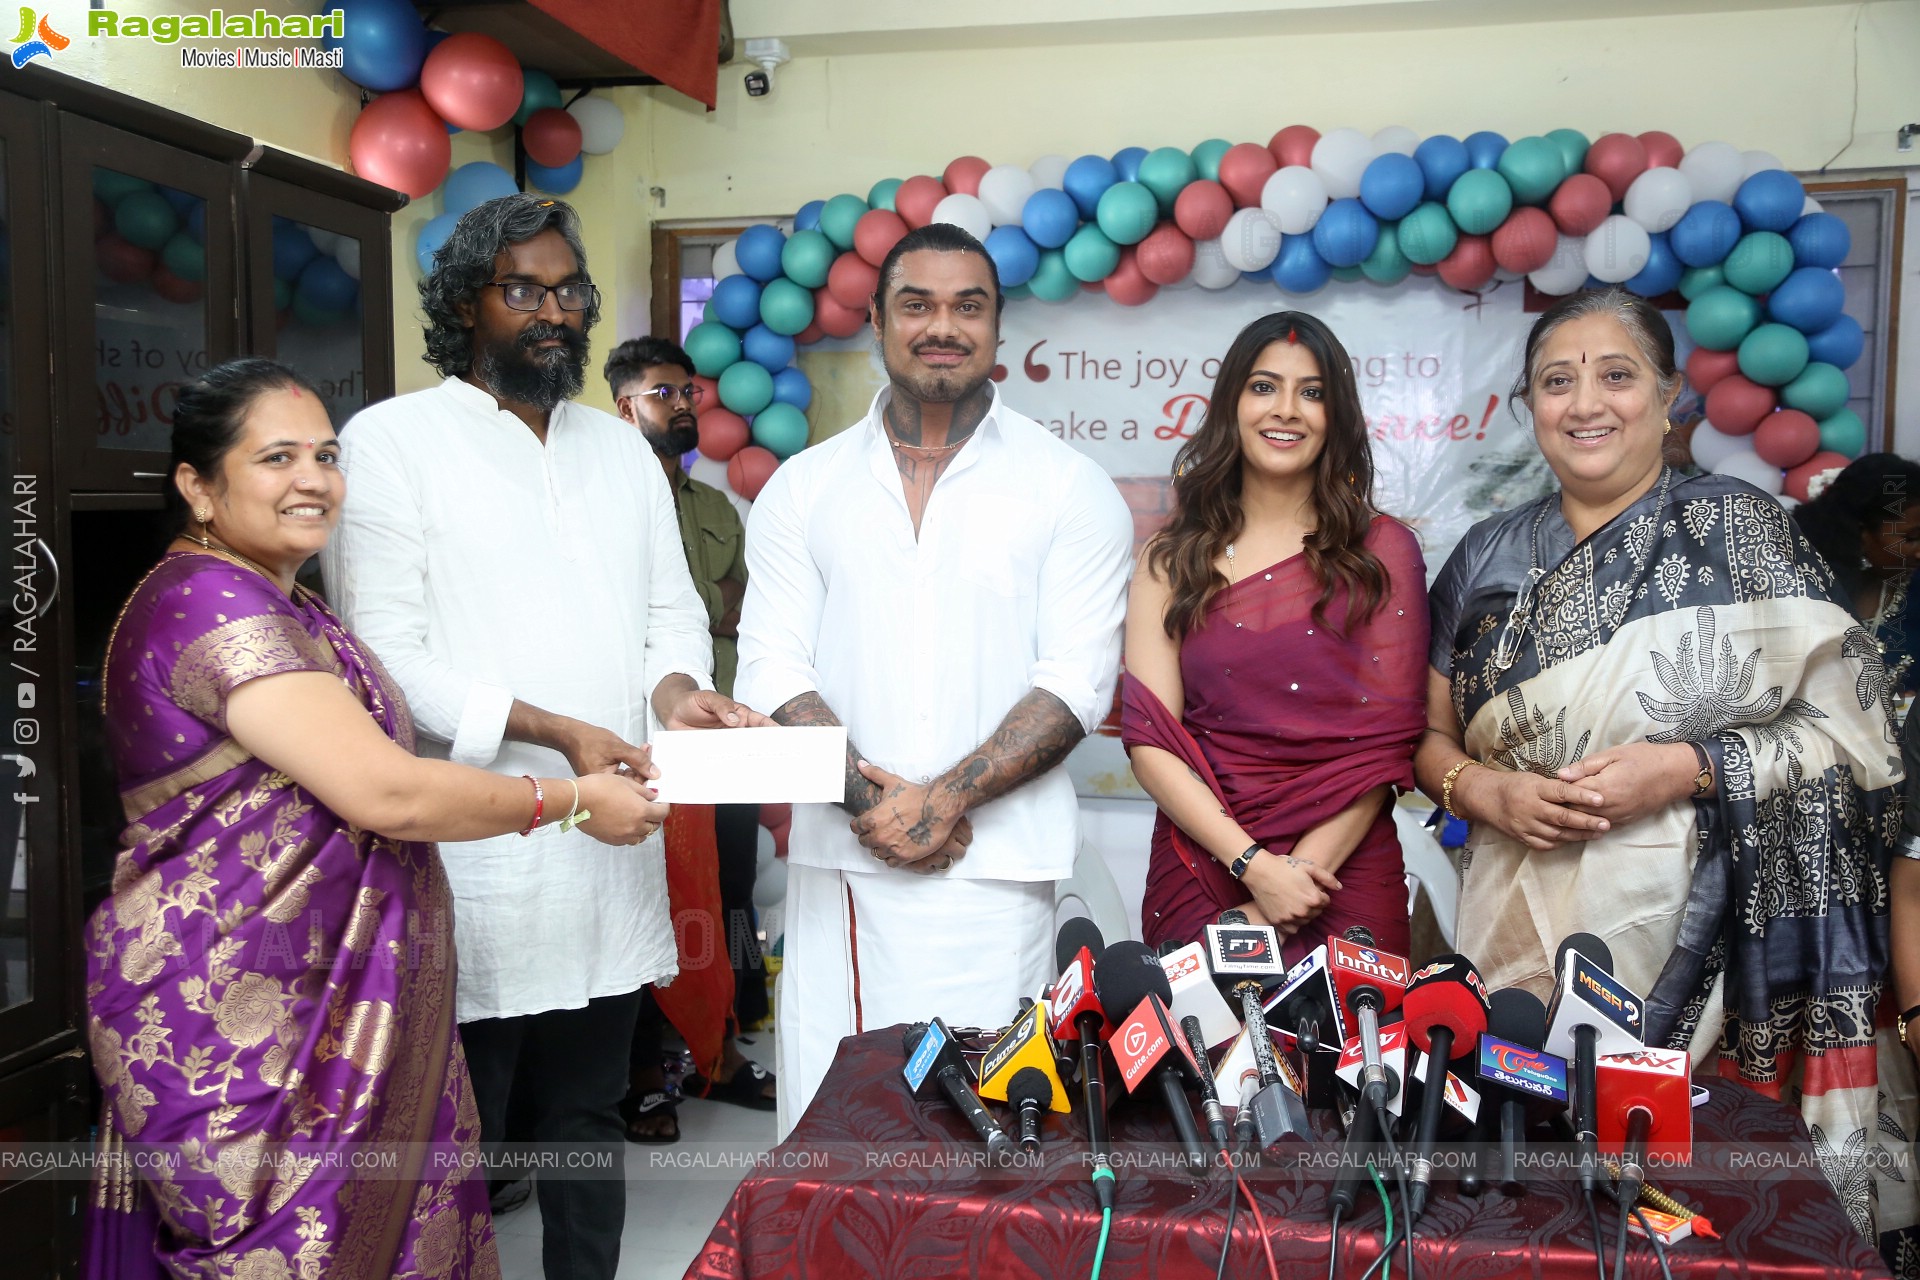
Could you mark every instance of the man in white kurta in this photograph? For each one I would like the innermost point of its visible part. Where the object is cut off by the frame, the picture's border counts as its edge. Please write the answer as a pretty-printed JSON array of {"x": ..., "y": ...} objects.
[{"x": 947, "y": 579}]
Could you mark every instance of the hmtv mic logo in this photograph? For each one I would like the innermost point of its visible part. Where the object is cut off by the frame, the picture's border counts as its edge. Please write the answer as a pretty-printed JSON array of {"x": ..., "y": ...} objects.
[{"x": 35, "y": 39}]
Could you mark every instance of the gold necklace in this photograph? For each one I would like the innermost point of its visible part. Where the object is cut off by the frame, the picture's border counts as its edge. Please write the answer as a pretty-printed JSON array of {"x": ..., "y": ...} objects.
[{"x": 930, "y": 450}]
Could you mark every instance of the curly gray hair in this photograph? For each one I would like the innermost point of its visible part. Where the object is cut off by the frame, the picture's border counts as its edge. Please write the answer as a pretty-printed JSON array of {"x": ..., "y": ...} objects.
[{"x": 465, "y": 262}]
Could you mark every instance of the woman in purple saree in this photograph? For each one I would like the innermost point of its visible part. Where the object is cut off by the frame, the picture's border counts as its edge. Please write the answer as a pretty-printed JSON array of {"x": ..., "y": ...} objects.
[{"x": 270, "y": 985}]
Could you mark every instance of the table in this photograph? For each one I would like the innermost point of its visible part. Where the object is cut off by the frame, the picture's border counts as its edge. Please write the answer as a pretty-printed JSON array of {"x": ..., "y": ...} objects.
[{"x": 874, "y": 1183}]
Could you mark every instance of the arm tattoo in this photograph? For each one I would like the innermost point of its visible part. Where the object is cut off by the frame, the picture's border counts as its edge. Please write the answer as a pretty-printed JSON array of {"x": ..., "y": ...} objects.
[
  {"x": 1035, "y": 736},
  {"x": 811, "y": 709}
]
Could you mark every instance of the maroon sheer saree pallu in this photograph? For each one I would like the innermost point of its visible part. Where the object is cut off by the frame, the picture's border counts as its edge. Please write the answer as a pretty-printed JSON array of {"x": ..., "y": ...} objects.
[
  {"x": 1289, "y": 719},
  {"x": 270, "y": 989}
]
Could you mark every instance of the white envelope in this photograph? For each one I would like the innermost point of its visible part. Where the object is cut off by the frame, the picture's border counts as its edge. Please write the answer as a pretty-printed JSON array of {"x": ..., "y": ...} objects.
[{"x": 780, "y": 765}]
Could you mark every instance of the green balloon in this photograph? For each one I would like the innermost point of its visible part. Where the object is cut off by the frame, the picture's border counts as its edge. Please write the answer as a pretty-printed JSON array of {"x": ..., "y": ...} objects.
[
  {"x": 1719, "y": 318},
  {"x": 1820, "y": 391},
  {"x": 881, "y": 195},
  {"x": 1573, "y": 146},
  {"x": 746, "y": 388},
  {"x": 1759, "y": 262},
  {"x": 111, "y": 185},
  {"x": 1533, "y": 168},
  {"x": 145, "y": 218},
  {"x": 1166, "y": 171},
  {"x": 706, "y": 313},
  {"x": 1697, "y": 280},
  {"x": 1479, "y": 201},
  {"x": 1052, "y": 280},
  {"x": 712, "y": 347},
  {"x": 1773, "y": 354},
  {"x": 785, "y": 307},
  {"x": 1844, "y": 433},
  {"x": 538, "y": 93},
  {"x": 838, "y": 217},
  {"x": 1090, "y": 256},
  {"x": 807, "y": 257},
  {"x": 1428, "y": 234},
  {"x": 185, "y": 258},
  {"x": 1016, "y": 292},
  {"x": 315, "y": 317},
  {"x": 1126, "y": 213},
  {"x": 1206, "y": 158},
  {"x": 1388, "y": 263},
  {"x": 780, "y": 429},
  {"x": 1347, "y": 275}
]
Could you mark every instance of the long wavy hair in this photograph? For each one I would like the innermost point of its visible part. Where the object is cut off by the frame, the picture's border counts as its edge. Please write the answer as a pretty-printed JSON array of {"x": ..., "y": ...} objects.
[
  {"x": 1207, "y": 484},
  {"x": 465, "y": 263}
]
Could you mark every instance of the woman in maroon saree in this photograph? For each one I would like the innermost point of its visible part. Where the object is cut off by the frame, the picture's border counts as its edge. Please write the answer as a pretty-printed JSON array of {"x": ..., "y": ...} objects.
[
  {"x": 1286, "y": 619},
  {"x": 270, "y": 985}
]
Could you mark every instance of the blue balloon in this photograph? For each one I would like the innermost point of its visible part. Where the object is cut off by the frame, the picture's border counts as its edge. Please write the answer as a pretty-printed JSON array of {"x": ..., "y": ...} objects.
[
  {"x": 1662, "y": 272},
  {"x": 1442, "y": 158},
  {"x": 384, "y": 43},
  {"x": 1126, "y": 163},
  {"x": 758, "y": 251},
  {"x": 1345, "y": 234},
  {"x": 1705, "y": 234},
  {"x": 325, "y": 286},
  {"x": 182, "y": 201},
  {"x": 1087, "y": 179},
  {"x": 293, "y": 249},
  {"x": 1839, "y": 344},
  {"x": 432, "y": 234},
  {"x": 558, "y": 181},
  {"x": 771, "y": 351},
  {"x": 475, "y": 183},
  {"x": 808, "y": 218},
  {"x": 1820, "y": 240},
  {"x": 1810, "y": 299},
  {"x": 1050, "y": 218},
  {"x": 736, "y": 302},
  {"x": 1299, "y": 269},
  {"x": 1392, "y": 186},
  {"x": 1484, "y": 149},
  {"x": 790, "y": 386},
  {"x": 1770, "y": 200},
  {"x": 1014, "y": 255},
  {"x": 1258, "y": 277}
]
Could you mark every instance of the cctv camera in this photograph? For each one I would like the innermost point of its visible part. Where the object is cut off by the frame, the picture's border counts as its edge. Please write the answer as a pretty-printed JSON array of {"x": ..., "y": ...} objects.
[
  {"x": 768, "y": 54},
  {"x": 759, "y": 84}
]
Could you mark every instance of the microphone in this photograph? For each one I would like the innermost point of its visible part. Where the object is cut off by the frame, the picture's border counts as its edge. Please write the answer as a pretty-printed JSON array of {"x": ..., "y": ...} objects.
[
  {"x": 1031, "y": 1093},
  {"x": 1194, "y": 993},
  {"x": 1130, "y": 977},
  {"x": 1306, "y": 1012},
  {"x": 1592, "y": 1013},
  {"x": 1369, "y": 982},
  {"x": 1244, "y": 957},
  {"x": 932, "y": 1055},
  {"x": 1024, "y": 1046},
  {"x": 1243, "y": 1122},
  {"x": 1446, "y": 1009},
  {"x": 1645, "y": 1104},
  {"x": 1077, "y": 1010},
  {"x": 1514, "y": 1067},
  {"x": 1209, "y": 1096}
]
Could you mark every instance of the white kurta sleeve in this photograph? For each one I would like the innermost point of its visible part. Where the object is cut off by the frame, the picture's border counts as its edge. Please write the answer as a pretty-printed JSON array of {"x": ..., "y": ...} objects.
[
  {"x": 1083, "y": 599},
  {"x": 785, "y": 598}
]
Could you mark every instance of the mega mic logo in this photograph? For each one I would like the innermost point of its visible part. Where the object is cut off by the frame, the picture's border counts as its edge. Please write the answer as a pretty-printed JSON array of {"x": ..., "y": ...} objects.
[{"x": 1605, "y": 992}]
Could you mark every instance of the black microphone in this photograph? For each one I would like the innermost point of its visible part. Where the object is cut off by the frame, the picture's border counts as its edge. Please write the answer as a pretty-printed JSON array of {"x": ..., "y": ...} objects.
[
  {"x": 1592, "y": 1013},
  {"x": 933, "y": 1055},
  {"x": 1131, "y": 983},
  {"x": 1352, "y": 1177},
  {"x": 1075, "y": 1005},
  {"x": 1518, "y": 1017},
  {"x": 1031, "y": 1093},
  {"x": 1209, "y": 1096}
]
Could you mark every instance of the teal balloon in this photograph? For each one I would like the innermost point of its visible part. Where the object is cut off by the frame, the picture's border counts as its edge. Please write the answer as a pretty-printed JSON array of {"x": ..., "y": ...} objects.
[
  {"x": 880, "y": 196},
  {"x": 1697, "y": 280},
  {"x": 1844, "y": 433},
  {"x": 1820, "y": 391},
  {"x": 1166, "y": 171},
  {"x": 315, "y": 317},
  {"x": 1573, "y": 146},
  {"x": 1533, "y": 168},
  {"x": 746, "y": 388},
  {"x": 1719, "y": 318},
  {"x": 538, "y": 91},
  {"x": 807, "y": 257},
  {"x": 1347, "y": 275},
  {"x": 1126, "y": 213},
  {"x": 1052, "y": 280},
  {"x": 1773, "y": 354},
  {"x": 1090, "y": 256},
  {"x": 185, "y": 257},
  {"x": 837, "y": 219},
  {"x": 145, "y": 218},
  {"x": 1206, "y": 158},
  {"x": 1759, "y": 262},
  {"x": 712, "y": 347},
  {"x": 1479, "y": 201},
  {"x": 112, "y": 186},
  {"x": 781, "y": 430},
  {"x": 785, "y": 307},
  {"x": 1388, "y": 263},
  {"x": 1016, "y": 292},
  {"x": 1428, "y": 234}
]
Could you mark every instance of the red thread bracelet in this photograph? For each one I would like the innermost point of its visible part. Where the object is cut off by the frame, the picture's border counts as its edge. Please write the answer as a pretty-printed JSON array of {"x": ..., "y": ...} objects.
[{"x": 539, "y": 804}]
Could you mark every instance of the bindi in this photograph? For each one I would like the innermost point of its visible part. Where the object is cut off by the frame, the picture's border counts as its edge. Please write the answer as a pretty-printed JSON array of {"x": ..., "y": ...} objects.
[{"x": 1583, "y": 357}]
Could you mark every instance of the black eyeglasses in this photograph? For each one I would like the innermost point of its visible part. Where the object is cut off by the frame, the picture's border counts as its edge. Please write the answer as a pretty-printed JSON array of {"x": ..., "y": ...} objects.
[
  {"x": 520, "y": 295},
  {"x": 668, "y": 393}
]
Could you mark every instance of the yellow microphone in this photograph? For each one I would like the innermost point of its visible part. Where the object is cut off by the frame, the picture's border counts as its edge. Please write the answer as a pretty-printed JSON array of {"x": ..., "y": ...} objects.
[{"x": 1024, "y": 1044}]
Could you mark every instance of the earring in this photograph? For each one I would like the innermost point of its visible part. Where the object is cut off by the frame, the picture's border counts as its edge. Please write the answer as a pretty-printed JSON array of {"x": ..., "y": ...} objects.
[
  {"x": 202, "y": 516},
  {"x": 1350, "y": 479},
  {"x": 1669, "y": 430}
]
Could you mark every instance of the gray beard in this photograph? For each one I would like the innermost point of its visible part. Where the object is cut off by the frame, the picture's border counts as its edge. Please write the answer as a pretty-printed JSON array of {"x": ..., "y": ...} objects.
[{"x": 531, "y": 379}]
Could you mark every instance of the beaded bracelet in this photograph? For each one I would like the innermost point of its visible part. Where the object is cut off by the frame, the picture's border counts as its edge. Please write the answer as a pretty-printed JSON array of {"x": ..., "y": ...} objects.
[{"x": 539, "y": 804}]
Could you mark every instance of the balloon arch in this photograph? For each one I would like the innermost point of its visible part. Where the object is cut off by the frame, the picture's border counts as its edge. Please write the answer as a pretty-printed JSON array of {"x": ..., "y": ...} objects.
[{"x": 1734, "y": 233}]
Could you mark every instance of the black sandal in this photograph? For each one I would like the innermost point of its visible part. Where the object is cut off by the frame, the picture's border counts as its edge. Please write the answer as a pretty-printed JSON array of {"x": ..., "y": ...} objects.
[
  {"x": 748, "y": 1088},
  {"x": 656, "y": 1102}
]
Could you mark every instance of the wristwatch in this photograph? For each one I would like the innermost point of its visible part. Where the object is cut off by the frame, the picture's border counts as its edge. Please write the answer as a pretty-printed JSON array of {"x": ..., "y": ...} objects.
[
  {"x": 1703, "y": 780},
  {"x": 1905, "y": 1018},
  {"x": 1239, "y": 865}
]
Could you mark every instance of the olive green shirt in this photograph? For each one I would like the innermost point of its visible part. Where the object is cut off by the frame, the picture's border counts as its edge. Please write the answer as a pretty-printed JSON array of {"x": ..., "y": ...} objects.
[{"x": 716, "y": 546}]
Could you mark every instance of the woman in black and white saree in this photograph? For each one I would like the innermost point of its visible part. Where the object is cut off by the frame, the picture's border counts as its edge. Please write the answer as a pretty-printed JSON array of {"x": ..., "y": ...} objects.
[{"x": 1664, "y": 729}]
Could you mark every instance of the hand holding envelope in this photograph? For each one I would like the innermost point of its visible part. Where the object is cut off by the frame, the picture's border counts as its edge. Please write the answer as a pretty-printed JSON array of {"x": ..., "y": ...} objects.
[{"x": 779, "y": 765}]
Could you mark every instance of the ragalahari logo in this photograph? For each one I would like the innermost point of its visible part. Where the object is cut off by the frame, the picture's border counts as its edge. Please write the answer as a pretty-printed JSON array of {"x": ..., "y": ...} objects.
[{"x": 35, "y": 39}]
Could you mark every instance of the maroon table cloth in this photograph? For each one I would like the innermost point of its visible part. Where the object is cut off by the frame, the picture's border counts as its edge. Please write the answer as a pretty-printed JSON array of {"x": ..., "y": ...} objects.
[{"x": 874, "y": 1183}]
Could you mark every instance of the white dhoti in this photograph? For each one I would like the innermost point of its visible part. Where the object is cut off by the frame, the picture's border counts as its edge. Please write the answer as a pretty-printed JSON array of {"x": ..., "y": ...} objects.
[{"x": 867, "y": 950}]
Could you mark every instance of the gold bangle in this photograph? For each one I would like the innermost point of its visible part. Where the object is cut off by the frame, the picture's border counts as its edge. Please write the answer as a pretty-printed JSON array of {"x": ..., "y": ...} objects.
[{"x": 1446, "y": 788}]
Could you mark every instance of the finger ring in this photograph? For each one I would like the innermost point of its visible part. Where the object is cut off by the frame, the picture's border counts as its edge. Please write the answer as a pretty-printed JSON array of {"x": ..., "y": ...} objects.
[{"x": 943, "y": 866}]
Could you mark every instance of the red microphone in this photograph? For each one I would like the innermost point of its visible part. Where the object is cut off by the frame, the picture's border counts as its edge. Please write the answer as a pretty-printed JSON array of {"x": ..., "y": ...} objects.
[
  {"x": 1645, "y": 1103},
  {"x": 1446, "y": 1008},
  {"x": 1370, "y": 982}
]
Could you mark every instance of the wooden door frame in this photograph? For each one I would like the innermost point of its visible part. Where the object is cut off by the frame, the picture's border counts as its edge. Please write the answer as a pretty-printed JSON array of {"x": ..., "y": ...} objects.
[{"x": 664, "y": 305}]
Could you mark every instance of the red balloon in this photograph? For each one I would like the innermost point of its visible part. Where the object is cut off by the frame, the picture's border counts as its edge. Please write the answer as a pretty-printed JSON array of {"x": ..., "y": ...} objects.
[
  {"x": 723, "y": 432},
  {"x": 1525, "y": 241},
  {"x": 1787, "y": 438},
  {"x": 1244, "y": 170},
  {"x": 778, "y": 820},
  {"x": 1293, "y": 145},
  {"x": 1797, "y": 477},
  {"x": 1663, "y": 149},
  {"x": 123, "y": 261},
  {"x": 551, "y": 137},
  {"x": 750, "y": 470},
  {"x": 473, "y": 81},
  {"x": 709, "y": 390},
  {"x": 962, "y": 177},
  {"x": 1470, "y": 265},
  {"x": 176, "y": 288},
  {"x": 915, "y": 199},
  {"x": 1128, "y": 285},
  {"x": 1202, "y": 209},
  {"x": 399, "y": 142},
  {"x": 812, "y": 333},
  {"x": 1427, "y": 268},
  {"x": 1736, "y": 405},
  {"x": 836, "y": 319},
  {"x": 877, "y": 231},
  {"x": 1706, "y": 368},
  {"x": 1616, "y": 159},
  {"x": 1580, "y": 204},
  {"x": 1166, "y": 255},
  {"x": 851, "y": 280}
]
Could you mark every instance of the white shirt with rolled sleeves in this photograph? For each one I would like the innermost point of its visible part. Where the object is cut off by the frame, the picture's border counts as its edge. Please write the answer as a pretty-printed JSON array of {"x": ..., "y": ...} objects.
[
  {"x": 481, "y": 567},
  {"x": 1017, "y": 582}
]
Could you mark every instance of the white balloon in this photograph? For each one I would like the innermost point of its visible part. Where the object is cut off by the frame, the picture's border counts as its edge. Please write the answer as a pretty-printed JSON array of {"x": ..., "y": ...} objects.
[
  {"x": 1758, "y": 161},
  {"x": 1787, "y": 500},
  {"x": 347, "y": 254},
  {"x": 1340, "y": 157},
  {"x": 1296, "y": 197},
  {"x": 1251, "y": 240},
  {"x": 966, "y": 212},
  {"x": 1004, "y": 190},
  {"x": 1049, "y": 173},
  {"x": 1395, "y": 138},
  {"x": 1658, "y": 198},
  {"x": 724, "y": 262},
  {"x": 1712, "y": 446},
  {"x": 1566, "y": 271},
  {"x": 1618, "y": 249},
  {"x": 323, "y": 239},
  {"x": 602, "y": 124},
  {"x": 1811, "y": 206},
  {"x": 1716, "y": 170},
  {"x": 1754, "y": 469},
  {"x": 1211, "y": 270}
]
